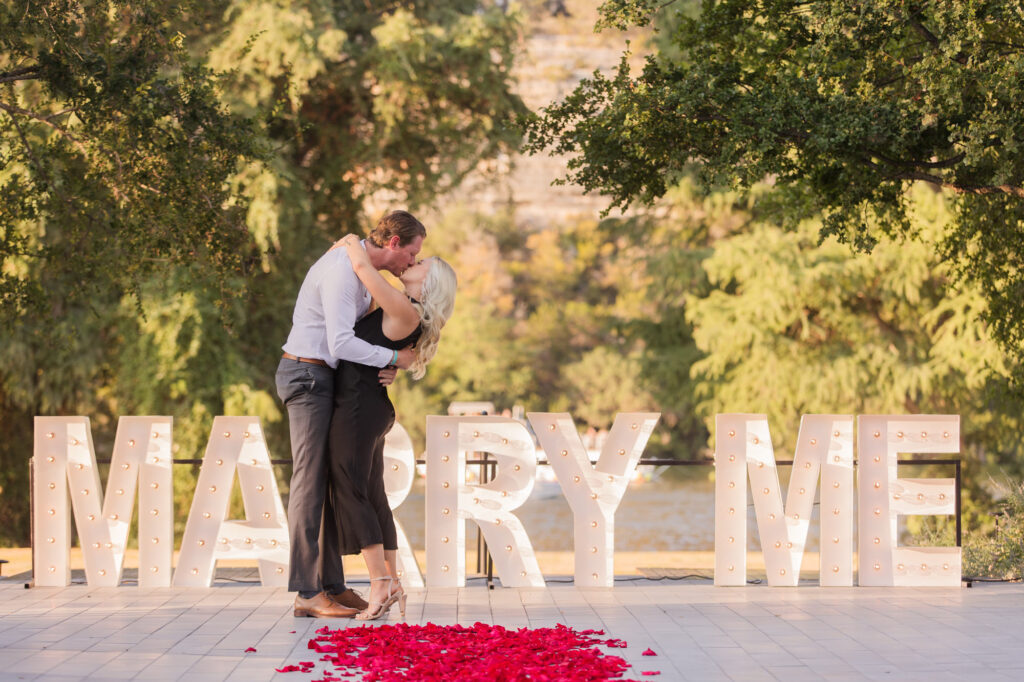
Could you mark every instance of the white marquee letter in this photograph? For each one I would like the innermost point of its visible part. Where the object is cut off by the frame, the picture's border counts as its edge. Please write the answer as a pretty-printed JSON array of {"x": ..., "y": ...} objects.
[
  {"x": 235, "y": 442},
  {"x": 593, "y": 492},
  {"x": 450, "y": 501},
  {"x": 399, "y": 472},
  {"x": 64, "y": 453},
  {"x": 883, "y": 497},
  {"x": 743, "y": 444}
]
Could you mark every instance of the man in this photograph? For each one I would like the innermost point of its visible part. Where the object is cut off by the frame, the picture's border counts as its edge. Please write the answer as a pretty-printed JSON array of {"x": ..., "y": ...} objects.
[{"x": 330, "y": 301}]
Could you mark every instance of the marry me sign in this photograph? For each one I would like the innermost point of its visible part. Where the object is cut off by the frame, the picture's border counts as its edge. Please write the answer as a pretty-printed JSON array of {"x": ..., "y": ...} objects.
[{"x": 64, "y": 466}]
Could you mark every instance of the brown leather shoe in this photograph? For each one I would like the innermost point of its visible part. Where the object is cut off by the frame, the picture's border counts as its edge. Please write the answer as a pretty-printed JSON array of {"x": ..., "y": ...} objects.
[
  {"x": 349, "y": 599},
  {"x": 321, "y": 606}
]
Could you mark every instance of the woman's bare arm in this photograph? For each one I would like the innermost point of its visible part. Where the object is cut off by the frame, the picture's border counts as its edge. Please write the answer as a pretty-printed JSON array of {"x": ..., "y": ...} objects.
[{"x": 394, "y": 302}]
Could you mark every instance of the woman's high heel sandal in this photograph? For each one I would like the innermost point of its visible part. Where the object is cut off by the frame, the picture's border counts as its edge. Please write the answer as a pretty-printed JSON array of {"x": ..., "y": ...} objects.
[
  {"x": 375, "y": 609},
  {"x": 397, "y": 594}
]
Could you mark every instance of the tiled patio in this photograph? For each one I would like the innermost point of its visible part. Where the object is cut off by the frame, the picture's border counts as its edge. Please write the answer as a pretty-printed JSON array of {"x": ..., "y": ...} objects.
[{"x": 699, "y": 632}]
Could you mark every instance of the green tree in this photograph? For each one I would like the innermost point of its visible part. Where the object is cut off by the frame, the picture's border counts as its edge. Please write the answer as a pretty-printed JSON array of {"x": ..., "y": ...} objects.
[{"x": 842, "y": 106}]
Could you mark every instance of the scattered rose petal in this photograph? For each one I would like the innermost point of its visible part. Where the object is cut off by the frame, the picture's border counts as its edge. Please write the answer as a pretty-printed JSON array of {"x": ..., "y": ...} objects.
[
  {"x": 651, "y": 672},
  {"x": 250, "y": 650},
  {"x": 289, "y": 669},
  {"x": 388, "y": 653},
  {"x": 291, "y": 632},
  {"x": 649, "y": 652}
]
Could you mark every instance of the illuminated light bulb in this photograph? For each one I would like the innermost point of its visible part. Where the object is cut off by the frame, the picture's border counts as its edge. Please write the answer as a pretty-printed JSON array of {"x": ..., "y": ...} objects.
[
  {"x": 634, "y": 426},
  {"x": 52, "y": 512},
  {"x": 732, "y": 458},
  {"x": 621, "y": 452},
  {"x": 814, "y": 441},
  {"x": 835, "y": 540},
  {"x": 92, "y": 517},
  {"x": 206, "y": 515},
  {"x": 593, "y": 550},
  {"x": 899, "y": 434},
  {"x": 732, "y": 434},
  {"x": 732, "y": 510},
  {"x": 731, "y": 567},
  {"x": 245, "y": 435},
  {"x": 551, "y": 427},
  {"x": 444, "y": 539},
  {"x": 497, "y": 522},
  {"x": 945, "y": 567},
  {"x": 802, "y": 491},
  {"x": 760, "y": 465},
  {"x": 227, "y": 434},
  {"x": 789, "y": 545},
  {"x": 50, "y": 459},
  {"x": 394, "y": 467},
  {"x": 109, "y": 545},
  {"x": 756, "y": 441},
  {"x": 445, "y": 484},
  {"x": 896, "y": 496},
  {"x": 155, "y": 512},
  {"x": 201, "y": 543},
  {"x": 836, "y": 458},
  {"x": 878, "y": 484},
  {"x": 53, "y": 569},
  {"x": 476, "y": 434},
  {"x": 51, "y": 540},
  {"x": 79, "y": 466},
  {"x": 782, "y": 571},
  {"x": 504, "y": 441},
  {"x": 259, "y": 488},
  {"x": 564, "y": 453},
  {"x": 156, "y": 435},
  {"x": 878, "y": 512},
  {"x": 223, "y": 541},
  {"x": 732, "y": 484},
  {"x": 279, "y": 570},
  {"x": 732, "y": 539},
  {"x": 254, "y": 462},
  {"x": 266, "y": 515},
  {"x": 522, "y": 573},
  {"x": 154, "y": 486},
  {"x": 771, "y": 517},
  {"x": 924, "y": 567},
  {"x": 445, "y": 568},
  {"x": 446, "y": 434},
  {"x": 899, "y": 567},
  {"x": 945, "y": 434},
  {"x": 113, "y": 517},
  {"x": 446, "y": 511},
  {"x": 517, "y": 467},
  {"x": 835, "y": 511},
  {"x": 248, "y": 541},
  {"x": 835, "y": 569},
  {"x": 154, "y": 569},
  {"x": 920, "y": 496},
  {"x": 400, "y": 573},
  {"x": 96, "y": 545},
  {"x": 878, "y": 541},
  {"x": 156, "y": 460},
  {"x": 220, "y": 462},
  {"x": 835, "y": 484},
  {"x": 120, "y": 491},
  {"x": 778, "y": 543},
  {"x": 213, "y": 488},
  {"x": 195, "y": 571},
  {"x": 877, "y": 434},
  {"x": 103, "y": 571},
  {"x": 51, "y": 434},
  {"x": 52, "y": 486},
  {"x": 594, "y": 576},
  {"x": 131, "y": 443},
  {"x": 445, "y": 458},
  {"x": 593, "y": 524},
  {"x": 766, "y": 491},
  {"x": 924, "y": 434},
  {"x": 877, "y": 566},
  {"x": 807, "y": 465},
  {"x": 476, "y": 500},
  {"x": 74, "y": 441},
  {"x": 273, "y": 543},
  {"x": 126, "y": 467},
  {"x": 593, "y": 496},
  {"x": 508, "y": 548},
  {"x": 877, "y": 458},
  {"x": 942, "y": 496}
]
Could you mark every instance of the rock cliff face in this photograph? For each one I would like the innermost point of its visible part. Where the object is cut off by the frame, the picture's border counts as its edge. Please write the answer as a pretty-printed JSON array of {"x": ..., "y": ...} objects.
[{"x": 557, "y": 53}]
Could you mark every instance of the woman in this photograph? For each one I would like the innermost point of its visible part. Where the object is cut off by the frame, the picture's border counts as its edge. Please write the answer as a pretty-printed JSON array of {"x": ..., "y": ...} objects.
[{"x": 363, "y": 414}]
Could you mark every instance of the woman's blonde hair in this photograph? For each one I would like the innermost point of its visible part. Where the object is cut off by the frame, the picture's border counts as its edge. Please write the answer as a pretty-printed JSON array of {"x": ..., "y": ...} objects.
[{"x": 437, "y": 300}]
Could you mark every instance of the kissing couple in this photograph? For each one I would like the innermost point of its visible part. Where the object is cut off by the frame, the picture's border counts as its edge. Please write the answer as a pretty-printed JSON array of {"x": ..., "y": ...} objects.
[{"x": 333, "y": 376}]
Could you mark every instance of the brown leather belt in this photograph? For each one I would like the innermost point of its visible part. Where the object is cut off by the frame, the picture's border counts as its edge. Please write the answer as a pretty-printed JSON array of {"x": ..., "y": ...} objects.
[{"x": 312, "y": 361}]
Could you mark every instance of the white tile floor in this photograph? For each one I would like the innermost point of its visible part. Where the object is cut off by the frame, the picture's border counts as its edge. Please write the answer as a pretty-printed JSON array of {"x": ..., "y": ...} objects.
[{"x": 698, "y": 631}]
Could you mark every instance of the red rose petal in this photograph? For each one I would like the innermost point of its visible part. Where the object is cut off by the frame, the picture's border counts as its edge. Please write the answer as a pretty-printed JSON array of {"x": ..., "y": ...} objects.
[
  {"x": 649, "y": 652},
  {"x": 250, "y": 650},
  {"x": 651, "y": 672}
]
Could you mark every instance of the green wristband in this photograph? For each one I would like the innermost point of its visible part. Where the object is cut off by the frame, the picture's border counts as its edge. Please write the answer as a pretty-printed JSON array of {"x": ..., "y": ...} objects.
[{"x": 394, "y": 359}]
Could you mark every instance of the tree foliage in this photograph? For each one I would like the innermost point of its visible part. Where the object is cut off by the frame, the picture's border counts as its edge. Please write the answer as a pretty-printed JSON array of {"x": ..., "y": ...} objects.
[{"x": 842, "y": 105}]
